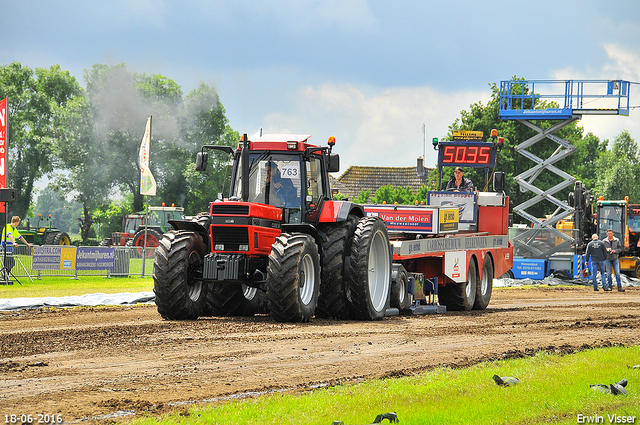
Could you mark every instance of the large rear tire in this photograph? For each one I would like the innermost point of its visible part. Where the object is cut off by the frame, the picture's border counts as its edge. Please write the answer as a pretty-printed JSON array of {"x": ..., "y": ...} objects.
[
  {"x": 293, "y": 278},
  {"x": 333, "y": 300},
  {"x": 370, "y": 269},
  {"x": 58, "y": 238},
  {"x": 177, "y": 276},
  {"x": 461, "y": 296},
  {"x": 485, "y": 286}
]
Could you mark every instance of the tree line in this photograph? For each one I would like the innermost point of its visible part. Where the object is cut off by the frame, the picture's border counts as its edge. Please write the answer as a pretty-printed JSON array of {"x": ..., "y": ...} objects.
[{"x": 86, "y": 140}]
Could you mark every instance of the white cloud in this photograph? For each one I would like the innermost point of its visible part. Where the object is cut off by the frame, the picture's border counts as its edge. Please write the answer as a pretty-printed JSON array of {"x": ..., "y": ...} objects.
[
  {"x": 381, "y": 129},
  {"x": 624, "y": 65}
]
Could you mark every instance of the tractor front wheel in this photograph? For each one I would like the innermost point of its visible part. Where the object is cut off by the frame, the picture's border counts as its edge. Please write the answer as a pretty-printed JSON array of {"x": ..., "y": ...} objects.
[
  {"x": 177, "y": 276},
  {"x": 293, "y": 278}
]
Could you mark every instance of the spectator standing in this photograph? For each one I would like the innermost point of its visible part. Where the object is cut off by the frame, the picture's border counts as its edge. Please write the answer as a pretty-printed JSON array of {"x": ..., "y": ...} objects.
[
  {"x": 597, "y": 252},
  {"x": 613, "y": 247}
]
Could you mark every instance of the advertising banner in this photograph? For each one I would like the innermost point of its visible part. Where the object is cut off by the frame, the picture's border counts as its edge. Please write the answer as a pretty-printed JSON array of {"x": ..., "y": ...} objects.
[
  {"x": 405, "y": 220},
  {"x": 72, "y": 258},
  {"x": 3, "y": 147},
  {"x": 464, "y": 201},
  {"x": 46, "y": 257},
  {"x": 95, "y": 258}
]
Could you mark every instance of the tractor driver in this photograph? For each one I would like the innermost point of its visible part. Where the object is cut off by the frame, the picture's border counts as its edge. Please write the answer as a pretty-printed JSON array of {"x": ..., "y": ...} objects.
[
  {"x": 459, "y": 183},
  {"x": 283, "y": 189}
]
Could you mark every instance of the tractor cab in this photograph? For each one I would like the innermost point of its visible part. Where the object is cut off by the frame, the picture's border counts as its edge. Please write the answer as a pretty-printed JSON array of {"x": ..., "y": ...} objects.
[
  {"x": 291, "y": 181},
  {"x": 282, "y": 171}
]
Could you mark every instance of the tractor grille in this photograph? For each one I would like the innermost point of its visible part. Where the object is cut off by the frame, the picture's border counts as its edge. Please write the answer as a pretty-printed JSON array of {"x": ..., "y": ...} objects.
[
  {"x": 230, "y": 209},
  {"x": 231, "y": 237}
]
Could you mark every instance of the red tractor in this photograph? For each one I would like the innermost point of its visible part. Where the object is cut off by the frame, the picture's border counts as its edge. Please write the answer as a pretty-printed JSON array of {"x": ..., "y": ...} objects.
[
  {"x": 133, "y": 228},
  {"x": 279, "y": 237}
]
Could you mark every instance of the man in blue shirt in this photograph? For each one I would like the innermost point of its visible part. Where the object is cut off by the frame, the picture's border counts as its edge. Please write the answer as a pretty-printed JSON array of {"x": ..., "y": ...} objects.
[{"x": 597, "y": 253}]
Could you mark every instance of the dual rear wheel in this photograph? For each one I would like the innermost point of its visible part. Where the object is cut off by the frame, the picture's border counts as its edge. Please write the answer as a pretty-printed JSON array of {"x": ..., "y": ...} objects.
[{"x": 473, "y": 294}]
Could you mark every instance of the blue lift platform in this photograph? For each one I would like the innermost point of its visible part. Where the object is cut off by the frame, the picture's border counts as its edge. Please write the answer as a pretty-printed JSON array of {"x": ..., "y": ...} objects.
[{"x": 564, "y": 101}]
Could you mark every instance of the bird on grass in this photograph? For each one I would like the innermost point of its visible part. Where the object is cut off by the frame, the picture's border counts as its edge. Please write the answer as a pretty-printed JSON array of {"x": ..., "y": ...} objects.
[
  {"x": 506, "y": 381},
  {"x": 616, "y": 389}
]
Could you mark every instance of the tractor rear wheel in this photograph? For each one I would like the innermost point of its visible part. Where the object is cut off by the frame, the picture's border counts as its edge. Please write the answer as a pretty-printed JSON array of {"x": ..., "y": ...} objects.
[
  {"x": 57, "y": 238},
  {"x": 177, "y": 276},
  {"x": 333, "y": 300},
  {"x": 153, "y": 239},
  {"x": 370, "y": 269},
  {"x": 293, "y": 278}
]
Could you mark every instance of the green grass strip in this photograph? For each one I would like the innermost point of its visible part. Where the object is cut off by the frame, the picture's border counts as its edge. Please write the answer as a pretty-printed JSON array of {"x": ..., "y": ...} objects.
[
  {"x": 553, "y": 389},
  {"x": 67, "y": 286}
]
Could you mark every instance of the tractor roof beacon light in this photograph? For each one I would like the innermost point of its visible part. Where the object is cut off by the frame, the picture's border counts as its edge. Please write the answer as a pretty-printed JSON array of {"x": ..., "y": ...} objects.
[
  {"x": 331, "y": 142},
  {"x": 494, "y": 133},
  {"x": 500, "y": 143},
  {"x": 434, "y": 142}
]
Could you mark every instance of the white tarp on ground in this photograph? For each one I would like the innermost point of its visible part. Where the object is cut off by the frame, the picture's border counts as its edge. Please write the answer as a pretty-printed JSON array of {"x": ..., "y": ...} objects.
[
  {"x": 86, "y": 300},
  {"x": 562, "y": 279}
]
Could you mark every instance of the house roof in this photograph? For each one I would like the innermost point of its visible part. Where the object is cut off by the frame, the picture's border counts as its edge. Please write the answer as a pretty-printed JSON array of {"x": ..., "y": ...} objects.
[{"x": 359, "y": 178}]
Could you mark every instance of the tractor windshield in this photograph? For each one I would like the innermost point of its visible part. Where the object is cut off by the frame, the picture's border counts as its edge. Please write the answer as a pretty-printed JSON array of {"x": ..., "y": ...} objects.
[{"x": 274, "y": 179}]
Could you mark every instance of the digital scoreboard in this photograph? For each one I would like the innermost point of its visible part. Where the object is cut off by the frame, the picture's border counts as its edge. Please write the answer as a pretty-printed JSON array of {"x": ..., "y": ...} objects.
[{"x": 466, "y": 154}]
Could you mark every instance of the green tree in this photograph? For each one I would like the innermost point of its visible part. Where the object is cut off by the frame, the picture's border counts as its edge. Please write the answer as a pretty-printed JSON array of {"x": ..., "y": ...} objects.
[
  {"x": 618, "y": 170},
  {"x": 88, "y": 176},
  {"x": 36, "y": 98},
  {"x": 64, "y": 213},
  {"x": 121, "y": 101}
]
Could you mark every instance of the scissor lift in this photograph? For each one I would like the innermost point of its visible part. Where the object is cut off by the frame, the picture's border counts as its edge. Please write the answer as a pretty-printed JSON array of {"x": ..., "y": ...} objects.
[{"x": 566, "y": 101}]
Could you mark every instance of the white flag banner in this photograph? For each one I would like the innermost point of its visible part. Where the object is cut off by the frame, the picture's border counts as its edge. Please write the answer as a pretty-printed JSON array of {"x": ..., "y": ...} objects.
[{"x": 147, "y": 182}]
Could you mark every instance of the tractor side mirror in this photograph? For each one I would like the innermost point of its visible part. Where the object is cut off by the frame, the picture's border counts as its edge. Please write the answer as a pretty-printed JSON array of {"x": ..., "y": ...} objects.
[
  {"x": 202, "y": 158},
  {"x": 334, "y": 162}
]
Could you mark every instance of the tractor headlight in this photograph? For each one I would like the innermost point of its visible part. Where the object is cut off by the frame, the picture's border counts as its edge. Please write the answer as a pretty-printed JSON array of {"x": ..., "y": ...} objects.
[
  {"x": 243, "y": 247},
  {"x": 219, "y": 247}
]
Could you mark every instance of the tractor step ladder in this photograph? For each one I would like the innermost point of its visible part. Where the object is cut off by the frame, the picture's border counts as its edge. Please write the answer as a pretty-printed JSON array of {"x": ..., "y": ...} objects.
[{"x": 519, "y": 101}]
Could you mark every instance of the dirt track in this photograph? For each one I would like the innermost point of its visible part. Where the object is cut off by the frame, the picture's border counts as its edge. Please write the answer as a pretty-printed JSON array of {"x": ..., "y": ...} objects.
[{"x": 90, "y": 362}]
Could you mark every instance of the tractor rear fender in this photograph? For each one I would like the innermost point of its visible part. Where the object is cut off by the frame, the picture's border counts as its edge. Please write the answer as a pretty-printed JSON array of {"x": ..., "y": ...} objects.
[
  {"x": 335, "y": 211},
  {"x": 192, "y": 226}
]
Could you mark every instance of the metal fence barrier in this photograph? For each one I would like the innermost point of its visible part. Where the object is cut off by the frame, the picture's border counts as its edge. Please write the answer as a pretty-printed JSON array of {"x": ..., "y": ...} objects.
[{"x": 128, "y": 262}]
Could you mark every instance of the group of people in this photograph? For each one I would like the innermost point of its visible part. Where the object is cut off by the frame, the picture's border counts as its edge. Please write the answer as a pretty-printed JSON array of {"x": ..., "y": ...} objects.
[{"x": 604, "y": 258}]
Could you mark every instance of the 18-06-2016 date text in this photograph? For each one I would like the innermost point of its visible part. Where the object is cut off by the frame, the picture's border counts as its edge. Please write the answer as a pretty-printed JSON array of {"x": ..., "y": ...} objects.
[{"x": 39, "y": 418}]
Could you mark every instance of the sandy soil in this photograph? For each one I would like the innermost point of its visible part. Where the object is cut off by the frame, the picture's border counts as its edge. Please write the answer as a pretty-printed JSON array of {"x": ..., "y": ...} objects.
[{"x": 86, "y": 364}]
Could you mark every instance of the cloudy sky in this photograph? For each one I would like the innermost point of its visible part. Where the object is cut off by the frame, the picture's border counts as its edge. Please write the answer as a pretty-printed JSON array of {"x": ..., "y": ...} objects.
[{"x": 369, "y": 72}]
